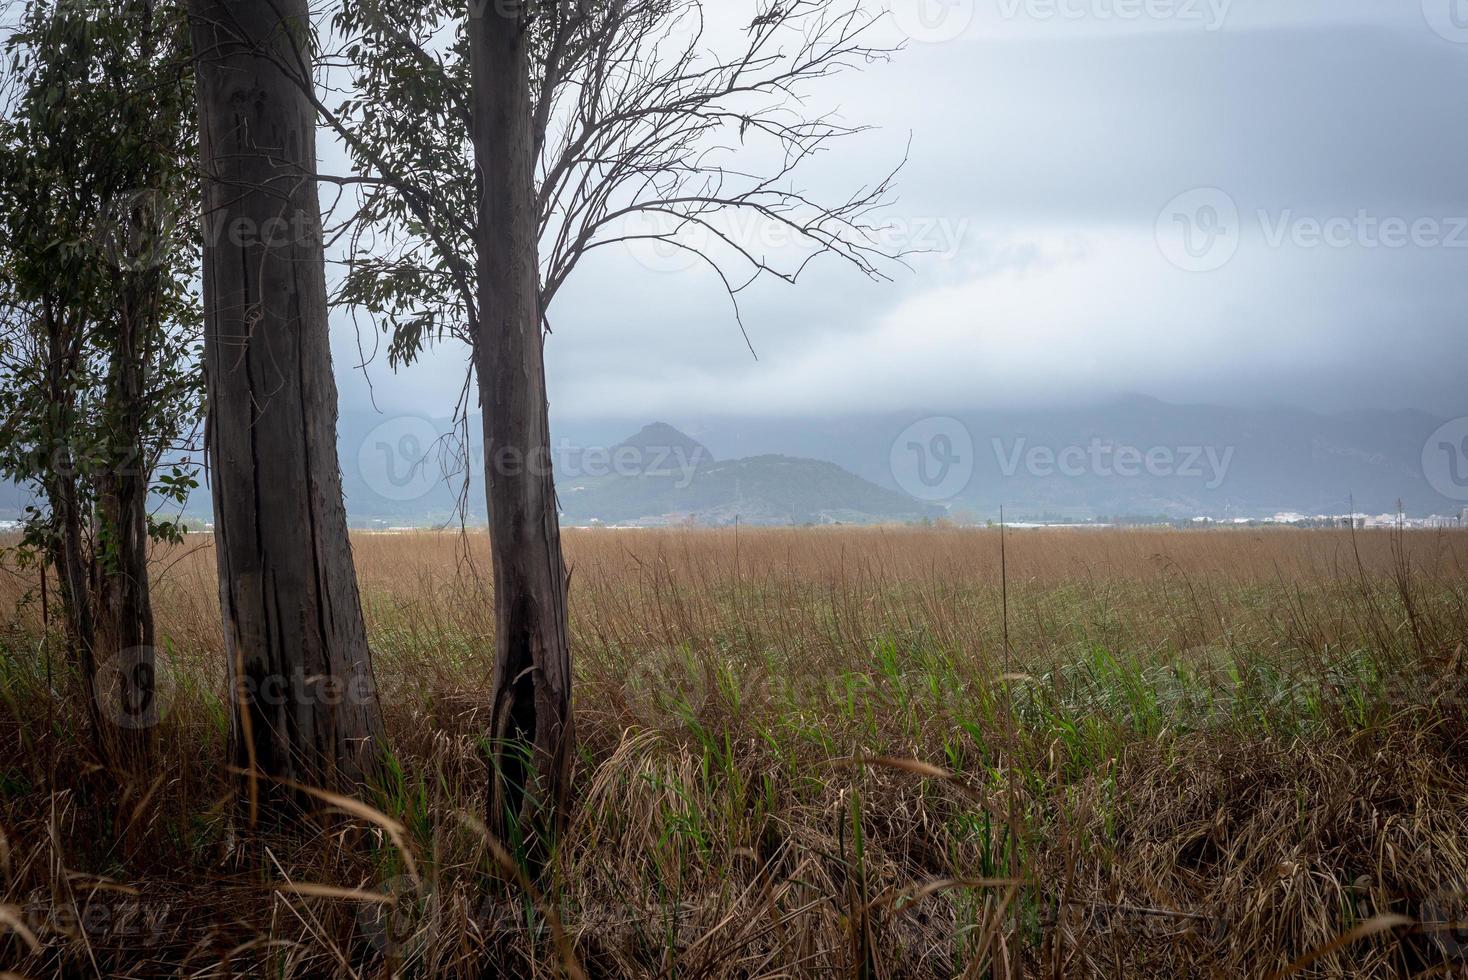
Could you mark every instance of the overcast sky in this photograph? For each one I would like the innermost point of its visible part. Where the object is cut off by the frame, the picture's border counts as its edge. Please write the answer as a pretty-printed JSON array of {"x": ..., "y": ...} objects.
[{"x": 1232, "y": 201}]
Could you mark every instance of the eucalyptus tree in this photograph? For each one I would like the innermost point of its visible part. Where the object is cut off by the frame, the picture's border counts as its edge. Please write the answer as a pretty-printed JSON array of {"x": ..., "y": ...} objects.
[
  {"x": 497, "y": 144},
  {"x": 98, "y": 327},
  {"x": 304, "y": 703}
]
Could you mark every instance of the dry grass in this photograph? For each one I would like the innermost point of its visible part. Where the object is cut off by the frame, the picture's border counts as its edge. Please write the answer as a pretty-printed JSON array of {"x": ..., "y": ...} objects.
[{"x": 809, "y": 752}]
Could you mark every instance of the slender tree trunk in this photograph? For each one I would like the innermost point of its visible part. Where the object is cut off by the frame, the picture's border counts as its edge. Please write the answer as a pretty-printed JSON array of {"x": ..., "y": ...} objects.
[
  {"x": 69, "y": 556},
  {"x": 124, "y": 606},
  {"x": 304, "y": 702},
  {"x": 127, "y": 696},
  {"x": 68, "y": 550},
  {"x": 531, "y": 713}
]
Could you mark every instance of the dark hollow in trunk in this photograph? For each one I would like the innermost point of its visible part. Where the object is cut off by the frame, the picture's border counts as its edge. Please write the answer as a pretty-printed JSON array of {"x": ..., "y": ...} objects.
[{"x": 303, "y": 697}]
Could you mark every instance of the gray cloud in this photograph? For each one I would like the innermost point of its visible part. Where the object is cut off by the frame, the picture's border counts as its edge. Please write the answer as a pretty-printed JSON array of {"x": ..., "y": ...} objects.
[{"x": 1043, "y": 155}]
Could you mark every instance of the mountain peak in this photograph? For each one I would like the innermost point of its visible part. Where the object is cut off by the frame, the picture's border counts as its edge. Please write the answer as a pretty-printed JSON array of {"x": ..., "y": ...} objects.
[{"x": 660, "y": 436}]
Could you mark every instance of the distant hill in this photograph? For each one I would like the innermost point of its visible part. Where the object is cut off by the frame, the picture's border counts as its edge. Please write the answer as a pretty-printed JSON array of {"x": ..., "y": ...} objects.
[
  {"x": 758, "y": 490},
  {"x": 1264, "y": 461},
  {"x": 658, "y": 475},
  {"x": 660, "y": 438}
]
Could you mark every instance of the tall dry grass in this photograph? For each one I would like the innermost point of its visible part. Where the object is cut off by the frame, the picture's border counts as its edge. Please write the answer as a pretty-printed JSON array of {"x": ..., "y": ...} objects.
[{"x": 811, "y": 752}]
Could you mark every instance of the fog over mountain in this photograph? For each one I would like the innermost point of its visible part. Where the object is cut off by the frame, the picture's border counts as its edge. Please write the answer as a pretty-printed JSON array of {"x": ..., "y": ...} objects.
[
  {"x": 1051, "y": 151},
  {"x": 1131, "y": 456},
  {"x": 1257, "y": 205},
  {"x": 1251, "y": 204}
]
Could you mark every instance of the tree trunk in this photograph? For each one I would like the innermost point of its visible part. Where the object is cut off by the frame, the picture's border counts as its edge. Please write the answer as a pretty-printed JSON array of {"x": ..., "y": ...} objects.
[
  {"x": 126, "y": 691},
  {"x": 304, "y": 701},
  {"x": 69, "y": 557},
  {"x": 126, "y": 694},
  {"x": 68, "y": 550},
  {"x": 531, "y": 722}
]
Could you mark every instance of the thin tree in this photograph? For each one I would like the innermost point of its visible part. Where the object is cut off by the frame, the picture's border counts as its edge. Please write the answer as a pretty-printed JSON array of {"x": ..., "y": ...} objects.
[
  {"x": 497, "y": 145},
  {"x": 97, "y": 358},
  {"x": 304, "y": 703},
  {"x": 530, "y": 716}
]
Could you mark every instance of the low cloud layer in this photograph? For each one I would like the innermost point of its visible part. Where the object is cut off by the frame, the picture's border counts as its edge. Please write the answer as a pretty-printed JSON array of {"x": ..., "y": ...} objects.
[{"x": 1263, "y": 207}]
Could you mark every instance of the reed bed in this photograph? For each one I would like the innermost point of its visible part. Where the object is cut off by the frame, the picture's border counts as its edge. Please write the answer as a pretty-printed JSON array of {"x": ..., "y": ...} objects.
[{"x": 885, "y": 752}]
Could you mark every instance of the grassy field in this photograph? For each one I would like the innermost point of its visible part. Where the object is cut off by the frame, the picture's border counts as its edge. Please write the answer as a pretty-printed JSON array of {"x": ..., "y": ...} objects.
[{"x": 818, "y": 752}]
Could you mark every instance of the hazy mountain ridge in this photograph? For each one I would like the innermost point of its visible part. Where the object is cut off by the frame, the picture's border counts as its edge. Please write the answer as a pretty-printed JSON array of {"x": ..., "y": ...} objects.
[
  {"x": 769, "y": 489},
  {"x": 661, "y": 439},
  {"x": 1269, "y": 459},
  {"x": 1277, "y": 459}
]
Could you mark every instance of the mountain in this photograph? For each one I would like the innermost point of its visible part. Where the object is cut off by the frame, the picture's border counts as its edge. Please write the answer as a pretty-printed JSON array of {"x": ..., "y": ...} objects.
[
  {"x": 392, "y": 473},
  {"x": 758, "y": 490},
  {"x": 660, "y": 437},
  {"x": 1062, "y": 463},
  {"x": 1050, "y": 463},
  {"x": 661, "y": 475}
]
